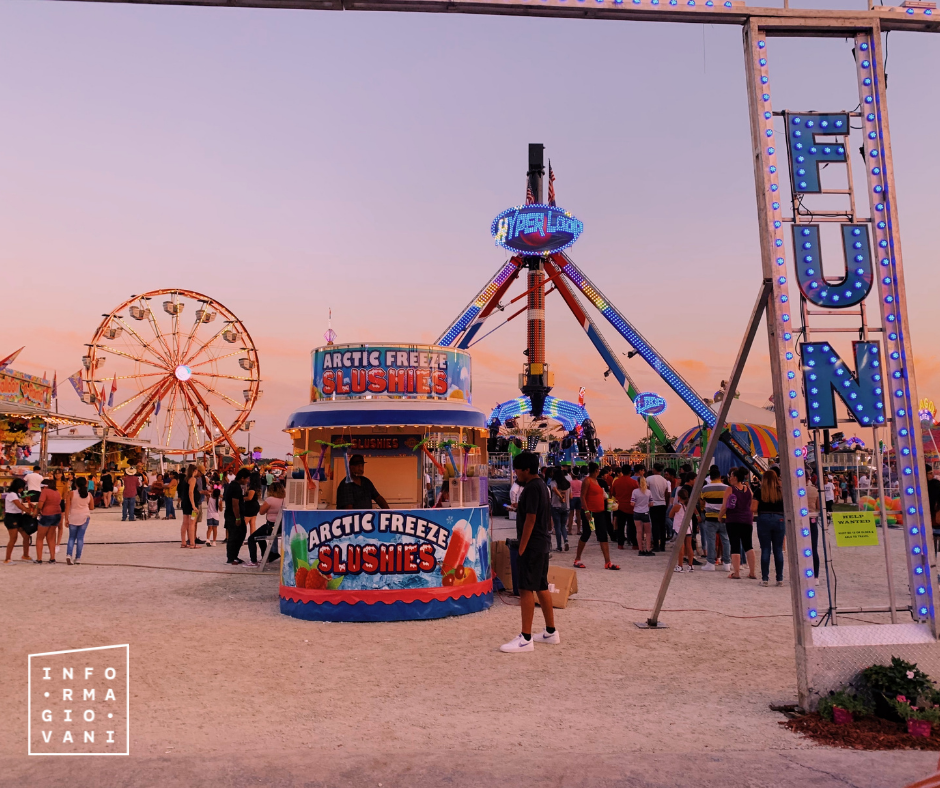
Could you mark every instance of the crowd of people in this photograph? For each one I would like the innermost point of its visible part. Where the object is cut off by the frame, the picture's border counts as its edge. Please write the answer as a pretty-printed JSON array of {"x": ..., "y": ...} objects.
[
  {"x": 642, "y": 509},
  {"x": 646, "y": 509},
  {"x": 247, "y": 503}
]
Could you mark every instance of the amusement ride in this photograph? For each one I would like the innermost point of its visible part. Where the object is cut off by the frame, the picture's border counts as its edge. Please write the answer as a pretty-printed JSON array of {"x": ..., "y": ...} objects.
[
  {"x": 173, "y": 367},
  {"x": 538, "y": 234}
]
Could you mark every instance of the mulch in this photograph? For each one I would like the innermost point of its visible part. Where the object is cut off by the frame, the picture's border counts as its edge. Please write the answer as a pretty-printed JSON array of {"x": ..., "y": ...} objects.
[{"x": 867, "y": 733}]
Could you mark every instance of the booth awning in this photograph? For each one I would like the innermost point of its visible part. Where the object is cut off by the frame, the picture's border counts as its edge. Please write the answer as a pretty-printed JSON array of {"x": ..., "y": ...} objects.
[
  {"x": 50, "y": 417},
  {"x": 73, "y": 444},
  {"x": 69, "y": 446},
  {"x": 386, "y": 413}
]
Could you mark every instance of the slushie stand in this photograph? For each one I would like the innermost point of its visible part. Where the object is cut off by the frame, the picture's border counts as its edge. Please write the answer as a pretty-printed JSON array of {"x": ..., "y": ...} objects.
[{"x": 406, "y": 409}]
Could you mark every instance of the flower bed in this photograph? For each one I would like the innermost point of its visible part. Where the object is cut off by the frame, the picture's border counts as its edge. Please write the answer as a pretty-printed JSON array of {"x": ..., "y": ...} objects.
[
  {"x": 867, "y": 733},
  {"x": 888, "y": 707}
]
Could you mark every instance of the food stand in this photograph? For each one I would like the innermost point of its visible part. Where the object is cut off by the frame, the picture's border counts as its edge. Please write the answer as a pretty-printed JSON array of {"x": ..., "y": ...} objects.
[
  {"x": 25, "y": 420},
  {"x": 406, "y": 409},
  {"x": 91, "y": 454}
]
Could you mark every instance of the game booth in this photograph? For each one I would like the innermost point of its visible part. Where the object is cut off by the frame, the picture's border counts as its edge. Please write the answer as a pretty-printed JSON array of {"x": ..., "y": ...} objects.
[{"x": 406, "y": 410}]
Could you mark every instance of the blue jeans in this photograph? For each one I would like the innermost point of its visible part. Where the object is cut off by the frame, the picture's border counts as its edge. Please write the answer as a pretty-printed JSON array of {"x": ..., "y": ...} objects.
[
  {"x": 770, "y": 533},
  {"x": 77, "y": 538},
  {"x": 560, "y": 520},
  {"x": 127, "y": 508},
  {"x": 709, "y": 529},
  {"x": 170, "y": 512}
]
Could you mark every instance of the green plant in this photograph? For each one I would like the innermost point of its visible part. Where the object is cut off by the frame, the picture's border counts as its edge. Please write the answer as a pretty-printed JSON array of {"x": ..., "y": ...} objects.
[
  {"x": 899, "y": 678},
  {"x": 857, "y": 705},
  {"x": 908, "y": 711}
]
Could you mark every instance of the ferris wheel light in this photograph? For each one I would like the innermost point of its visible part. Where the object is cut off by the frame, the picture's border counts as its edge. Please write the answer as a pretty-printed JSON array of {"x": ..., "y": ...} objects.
[{"x": 183, "y": 373}]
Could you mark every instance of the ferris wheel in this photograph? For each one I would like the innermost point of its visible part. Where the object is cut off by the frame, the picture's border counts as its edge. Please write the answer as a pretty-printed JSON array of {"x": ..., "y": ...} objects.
[{"x": 173, "y": 367}]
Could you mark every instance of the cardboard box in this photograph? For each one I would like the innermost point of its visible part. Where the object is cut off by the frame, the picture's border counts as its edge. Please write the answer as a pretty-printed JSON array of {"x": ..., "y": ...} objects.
[
  {"x": 564, "y": 582},
  {"x": 501, "y": 564}
]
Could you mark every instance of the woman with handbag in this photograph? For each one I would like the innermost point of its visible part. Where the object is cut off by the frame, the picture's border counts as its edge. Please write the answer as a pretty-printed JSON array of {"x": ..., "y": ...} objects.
[
  {"x": 15, "y": 510},
  {"x": 594, "y": 513},
  {"x": 737, "y": 515}
]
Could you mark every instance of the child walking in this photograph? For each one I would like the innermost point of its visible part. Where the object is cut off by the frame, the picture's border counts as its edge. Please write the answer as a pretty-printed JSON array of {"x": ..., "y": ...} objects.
[
  {"x": 677, "y": 514},
  {"x": 212, "y": 516}
]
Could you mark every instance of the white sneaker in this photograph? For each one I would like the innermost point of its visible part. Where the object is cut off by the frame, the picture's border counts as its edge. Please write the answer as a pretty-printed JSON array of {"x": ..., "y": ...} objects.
[
  {"x": 250, "y": 563},
  {"x": 518, "y": 643},
  {"x": 708, "y": 567},
  {"x": 543, "y": 637},
  {"x": 727, "y": 567}
]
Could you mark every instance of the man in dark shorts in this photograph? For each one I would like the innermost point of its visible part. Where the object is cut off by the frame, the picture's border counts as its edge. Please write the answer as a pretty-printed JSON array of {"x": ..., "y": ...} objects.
[
  {"x": 534, "y": 529},
  {"x": 234, "y": 499}
]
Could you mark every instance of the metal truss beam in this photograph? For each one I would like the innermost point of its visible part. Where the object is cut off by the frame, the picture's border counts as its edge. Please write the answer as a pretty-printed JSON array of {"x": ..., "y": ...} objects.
[{"x": 790, "y": 21}]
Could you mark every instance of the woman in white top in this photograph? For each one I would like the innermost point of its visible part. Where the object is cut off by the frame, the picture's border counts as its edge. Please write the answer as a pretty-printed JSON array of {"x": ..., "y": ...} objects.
[
  {"x": 270, "y": 509},
  {"x": 78, "y": 514},
  {"x": 14, "y": 508},
  {"x": 560, "y": 495},
  {"x": 641, "y": 516}
]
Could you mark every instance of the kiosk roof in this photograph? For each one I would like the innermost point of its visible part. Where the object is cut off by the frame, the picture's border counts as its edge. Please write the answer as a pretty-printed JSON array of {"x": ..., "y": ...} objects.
[{"x": 386, "y": 413}]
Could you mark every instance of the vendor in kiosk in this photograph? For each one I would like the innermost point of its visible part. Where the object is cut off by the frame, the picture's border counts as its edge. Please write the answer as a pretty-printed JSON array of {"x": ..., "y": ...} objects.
[{"x": 358, "y": 492}]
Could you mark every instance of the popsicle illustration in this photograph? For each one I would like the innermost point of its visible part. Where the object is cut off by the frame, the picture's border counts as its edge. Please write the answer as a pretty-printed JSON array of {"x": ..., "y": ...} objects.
[
  {"x": 298, "y": 548},
  {"x": 483, "y": 550},
  {"x": 460, "y": 539}
]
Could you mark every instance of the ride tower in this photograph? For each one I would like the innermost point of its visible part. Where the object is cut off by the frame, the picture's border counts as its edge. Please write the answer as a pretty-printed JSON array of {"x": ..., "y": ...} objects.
[{"x": 536, "y": 381}]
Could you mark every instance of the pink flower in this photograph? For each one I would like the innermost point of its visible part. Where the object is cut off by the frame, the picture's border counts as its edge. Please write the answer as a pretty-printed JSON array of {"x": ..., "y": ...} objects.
[{"x": 902, "y": 699}]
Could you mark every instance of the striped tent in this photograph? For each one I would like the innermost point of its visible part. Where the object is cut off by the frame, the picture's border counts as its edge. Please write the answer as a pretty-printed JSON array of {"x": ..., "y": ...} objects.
[{"x": 760, "y": 440}]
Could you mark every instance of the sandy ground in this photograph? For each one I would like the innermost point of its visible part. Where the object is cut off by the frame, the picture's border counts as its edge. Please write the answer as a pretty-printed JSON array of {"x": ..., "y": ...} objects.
[{"x": 226, "y": 690}]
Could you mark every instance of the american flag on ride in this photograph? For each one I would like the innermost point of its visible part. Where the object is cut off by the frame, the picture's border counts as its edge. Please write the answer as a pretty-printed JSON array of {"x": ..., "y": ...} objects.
[
  {"x": 101, "y": 399},
  {"x": 156, "y": 410},
  {"x": 529, "y": 197},
  {"x": 551, "y": 184},
  {"x": 78, "y": 384},
  {"x": 113, "y": 391}
]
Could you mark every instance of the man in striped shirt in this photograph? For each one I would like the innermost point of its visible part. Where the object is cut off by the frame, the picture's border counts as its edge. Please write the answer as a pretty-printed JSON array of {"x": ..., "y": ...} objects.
[{"x": 712, "y": 496}]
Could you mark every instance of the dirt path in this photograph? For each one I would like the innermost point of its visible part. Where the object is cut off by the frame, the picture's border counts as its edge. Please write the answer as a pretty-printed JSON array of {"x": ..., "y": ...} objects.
[{"x": 223, "y": 687}]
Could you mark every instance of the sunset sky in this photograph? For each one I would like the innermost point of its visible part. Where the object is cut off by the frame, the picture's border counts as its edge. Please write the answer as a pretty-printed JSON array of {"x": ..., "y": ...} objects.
[{"x": 289, "y": 162}]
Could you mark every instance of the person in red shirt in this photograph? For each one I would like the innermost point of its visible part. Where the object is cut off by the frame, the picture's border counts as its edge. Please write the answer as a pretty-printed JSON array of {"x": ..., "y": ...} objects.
[
  {"x": 50, "y": 510},
  {"x": 623, "y": 488},
  {"x": 594, "y": 501},
  {"x": 131, "y": 485}
]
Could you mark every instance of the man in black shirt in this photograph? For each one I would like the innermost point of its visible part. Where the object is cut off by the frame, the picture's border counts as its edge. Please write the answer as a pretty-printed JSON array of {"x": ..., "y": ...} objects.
[
  {"x": 234, "y": 498},
  {"x": 933, "y": 500},
  {"x": 360, "y": 492},
  {"x": 534, "y": 529}
]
